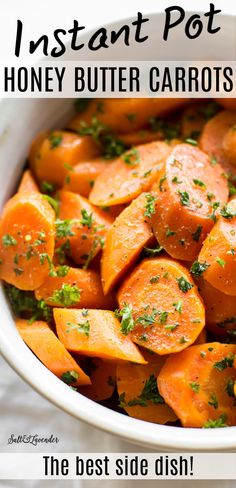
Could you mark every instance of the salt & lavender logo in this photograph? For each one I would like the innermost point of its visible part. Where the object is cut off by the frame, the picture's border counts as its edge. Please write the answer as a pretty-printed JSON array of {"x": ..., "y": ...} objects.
[{"x": 34, "y": 439}]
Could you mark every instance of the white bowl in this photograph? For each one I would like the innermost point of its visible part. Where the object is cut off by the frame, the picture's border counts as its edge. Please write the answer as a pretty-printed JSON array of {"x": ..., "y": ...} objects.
[{"x": 20, "y": 120}]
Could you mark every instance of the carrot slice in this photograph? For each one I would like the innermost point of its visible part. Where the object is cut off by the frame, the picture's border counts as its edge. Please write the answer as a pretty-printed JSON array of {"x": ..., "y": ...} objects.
[
  {"x": 195, "y": 116},
  {"x": 26, "y": 240},
  {"x": 51, "y": 156},
  {"x": 229, "y": 145},
  {"x": 139, "y": 395},
  {"x": 79, "y": 288},
  {"x": 125, "y": 114},
  {"x": 103, "y": 378},
  {"x": 186, "y": 190},
  {"x": 141, "y": 137},
  {"x": 51, "y": 352},
  {"x": 198, "y": 384},
  {"x": 95, "y": 333},
  {"x": 127, "y": 236},
  {"x": 220, "y": 310},
  {"x": 27, "y": 182},
  {"x": 86, "y": 228},
  {"x": 126, "y": 177},
  {"x": 81, "y": 178},
  {"x": 219, "y": 251},
  {"x": 165, "y": 311},
  {"x": 213, "y": 135}
]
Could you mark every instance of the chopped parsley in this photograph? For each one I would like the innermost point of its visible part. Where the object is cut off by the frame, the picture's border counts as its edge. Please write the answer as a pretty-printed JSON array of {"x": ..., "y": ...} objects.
[
  {"x": 112, "y": 147},
  {"x": 155, "y": 279},
  {"x": 227, "y": 362},
  {"x": 191, "y": 141},
  {"x": 131, "y": 157},
  {"x": 127, "y": 321},
  {"x": 184, "y": 198},
  {"x": 55, "y": 140},
  {"x": 47, "y": 187},
  {"x": 162, "y": 180},
  {"x": 197, "y": 268},
  {"x": 183, "y": 284},
  {"x": 63, "y": 228},
  {"x": 227, "y": 213},
  {"x": 213, "y": 401},
  {"x": 147, "y": 319},
  {"x": 199, "y": 183},
  {"x": 8, "y": 240},
  {"x": 152, "y": 251},
  {"x": 230, "y": 388},
  {"x": 87, "y": 219},
  {"x": 70, "y": 377},
  {"x": 221, "y": 262},
  {"x": 178, "y": 306},
  {"x": 150, "y": 393},
  {"x": 213, "y": 424},
  {"x": 67, "y": 295},
  {"x": 215, "y": 206},
  {"x": 195, "y": 386},
  {"x": 95, "y": 129},
  {"x": 176, "y": 180},
  {"x": 150, "y": 205},
  {"x": 53, "y": 202},
  {"x": 24, "y": 304},
  {"x": 83, "y": 328}
]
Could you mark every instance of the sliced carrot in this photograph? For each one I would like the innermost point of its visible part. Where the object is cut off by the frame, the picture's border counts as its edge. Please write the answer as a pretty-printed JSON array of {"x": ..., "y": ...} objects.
[
  {"x": 27, "y": 238},
  {"x": 79, "y": 288},
  {"x": 127, "y": 236},
  {"x": 86, "y": 230},
  {"x": 198, "y": 384},
  {"x": 219, "y": 252},
  {"x": 195, "y": 116},
  {"x": 213, "y": 135},
  {"x": 166, "y": 313},
  {"x": 138, "y": 392},
  {"x": 186, "y": 190},
  {"x": 220, "y": 310},
  {"x": 95, "y": 333},
  {"x": 141, "y": 137},
  {"x": 51, "y": 352},
  {"x": 103, "y": 378},
  {"x": 51, "y": 156},
  {"x": 81, "y": 178},
  {"x": 229, "y": 145},
  {"x": 125, "y": 114},
  {"x": 126, "y": 177},
  {"x": 27, "y": 182}
]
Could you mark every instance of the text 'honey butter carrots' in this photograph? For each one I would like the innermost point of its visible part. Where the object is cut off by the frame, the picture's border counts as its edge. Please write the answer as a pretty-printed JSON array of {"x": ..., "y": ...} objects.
[
  {"x": 27, "y": 235},
  {"x": 27, "y": 182},
  {"x": 198, "y": 384},
  {"x": 218, "y": 252},
  {"x": 138, "y": 391},
  {"x": 51, "y": 352},
  {"x": 95, "y": 333},
  {"x": 80, "y": 229},
  {"x": 189, "y": 190},
  {"x": 81, "y": 178},
  {"x": 213, "y": 135},
  {"x": 51, "y": 156},
  {"x": 126, "y": 177},
  {"x": 103, "y": 379},
  {"x": 125, "y": 239},
  {"x": 124, "y": 114},
  {"x": 160, "y": 307},
  {"x": 76, "y": 288}
]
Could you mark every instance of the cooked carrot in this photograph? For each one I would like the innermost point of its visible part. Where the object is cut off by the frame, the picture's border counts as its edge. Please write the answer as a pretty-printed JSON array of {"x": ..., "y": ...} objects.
[
  {"x": 229, "y": 145},
  {"x": 95, "y": 333},
  {"x": 81, "y": 229},
  {"x": 127, "y": 236},
  {"x": 138, "y": 392},
  {"x": 198, "y": 384},
  {"x": 126, "y": 177},
  {"x": 125, "y": 114},
  {"x": 51, "y": 352},
  {"x": 186, "y": 190},
  {"x": 195, "y": 116},
  {"x": 213, "y": 135},
  {"x": 27, "y": 182},
  {"x": 27, "y": 238},
  {"x": 81, "y": 178},
  {"x": 76, "y": 288},
  {"x": 219, "y": 251},
  {"x": 228, "y": 103},
  {"x": 220, "y": 310},
  {"x": 141, "y": 137},
  {"x": 202, "y": 338},
  {"x": 103, "y": 378},
  {"x": 165, "y": 311},
  {"x": 51, "y": 157}
]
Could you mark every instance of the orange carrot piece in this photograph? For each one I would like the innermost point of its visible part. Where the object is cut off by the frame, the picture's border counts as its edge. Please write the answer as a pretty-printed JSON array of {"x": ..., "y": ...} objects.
[
  {"x": 88, "y": 226},
  {"x": 103, "y": 378},
  {"x": 95, "y": 333},
  {"x": 27, "y": 182},
  {"x": 58, "y": 291},
  {"x": 220, "y": 310},
  {"x": 141, "y": 137},
  {"x": 195, "y": 116},
  {"x": 198, "y": 384},
  {"x": 229, "y": 145},
  {"x": 127, "y": 236},
  {"x": 51, "y": 156},
  {"x": 167, "y": 311},
  {"x": 219, "y": 251},
  {"x": 131, "y": 174},
  {"x": 137, "y": 388},
  {"x": 27, "y": 238},
  {"x": 186, "y": 190},
  {"x": 51, "y": 352},
  {"x": 81, "y": 178},
  {"x": 213, "y": 135}
]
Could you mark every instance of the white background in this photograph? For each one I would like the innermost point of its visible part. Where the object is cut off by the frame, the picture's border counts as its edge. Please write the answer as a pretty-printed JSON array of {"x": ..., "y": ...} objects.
[{"x": 21, "y": 409}]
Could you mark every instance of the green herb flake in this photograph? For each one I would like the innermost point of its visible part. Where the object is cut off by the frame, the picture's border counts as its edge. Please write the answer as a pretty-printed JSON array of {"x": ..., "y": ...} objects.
[
  {"x": 213, "y": 424},
  {"x": 191, "y": 141},
  {"x": 183, "y": 284},
  {"x": 230, "y": 387},
  {"x": 83, "y": 328},
  {"x": 154, "y": 279},
  {"x": 67, "y": 295},
  {"x": 63, "y": 228},
  {"x": 221, "y": 262},
  {"x": 55, "y": 140},
  {"x": 70, "y": 377},
  {"x": 8, "y": 240},
  {"x": 162, "y": 180},
  {"x": 213, "y": 401},
  {"x": 170, "y": 233},
  {"x": 195, "y": 386},
  {"x": 87, "y": 219},
  {"x": 47, "y": 187},
  {"x": 178, "y": 306},
  {"x": 131, "y": 157},
  {"x": 227, "y": 362},
  {"x": 53, "y": 202},
  {"x": 150, "y": 205},
  {"x": 199, "y": 183},
  {"x": 227, "y": 213},
  {"x": 127, "y": 321},
  {"x": 197, "y": 268},
  {"x": 184, "y": 198}
]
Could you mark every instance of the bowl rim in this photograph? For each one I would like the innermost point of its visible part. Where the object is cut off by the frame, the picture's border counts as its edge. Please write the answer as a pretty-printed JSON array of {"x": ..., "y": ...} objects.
[{"x": 154, "y": 436}]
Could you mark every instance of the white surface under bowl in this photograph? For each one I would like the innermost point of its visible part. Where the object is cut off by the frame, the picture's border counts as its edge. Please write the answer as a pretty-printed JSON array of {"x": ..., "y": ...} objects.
[{"x": 20, "y": 120}]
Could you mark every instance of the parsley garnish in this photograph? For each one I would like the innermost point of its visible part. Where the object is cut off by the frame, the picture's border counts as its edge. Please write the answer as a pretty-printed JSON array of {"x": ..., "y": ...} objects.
[
  {"x": 55, "y": 140},
  {"x": 53, "y": 202},
  {"x": 150, "y": 205},
  {"x": 95, "y": 129},
  {"x": 197, "y": 268},
  {"x": 127, "y": 321},
  {"x": 81, "y": 328},
  {"x": 25, "y": 303},
  {"x": 227, "y": 362},
  {"x": 184, "y": 198},
  {"x": 70, "y": 377},
  {"x": 131, "y": 157},
  {"x": 213, "y": 401},
  {"x": 213, "y": 424},
  {"x": 227, "y": 213},
  {"x": 8, "y": 240},
  {"x": 199, "y": 183},
  {"x": 162, "y": 180},
  {"x": 183, "y": 284},
  {"x": 149, "y": 251},
  {"x": 67, "y": 295},
  {"x": 47, "y": 187},
  {"x": 221, "y": 262},
  {"x": 150, "y": 393},
  {"x": 147, "y": 319},
  {"x": 178, "y": 306},
  {"x": 195, "y": 386},
  {"x": 87, "y": 219},
  {"x": 230, "y": 387},
  {"x": 63, "y": 228}
]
